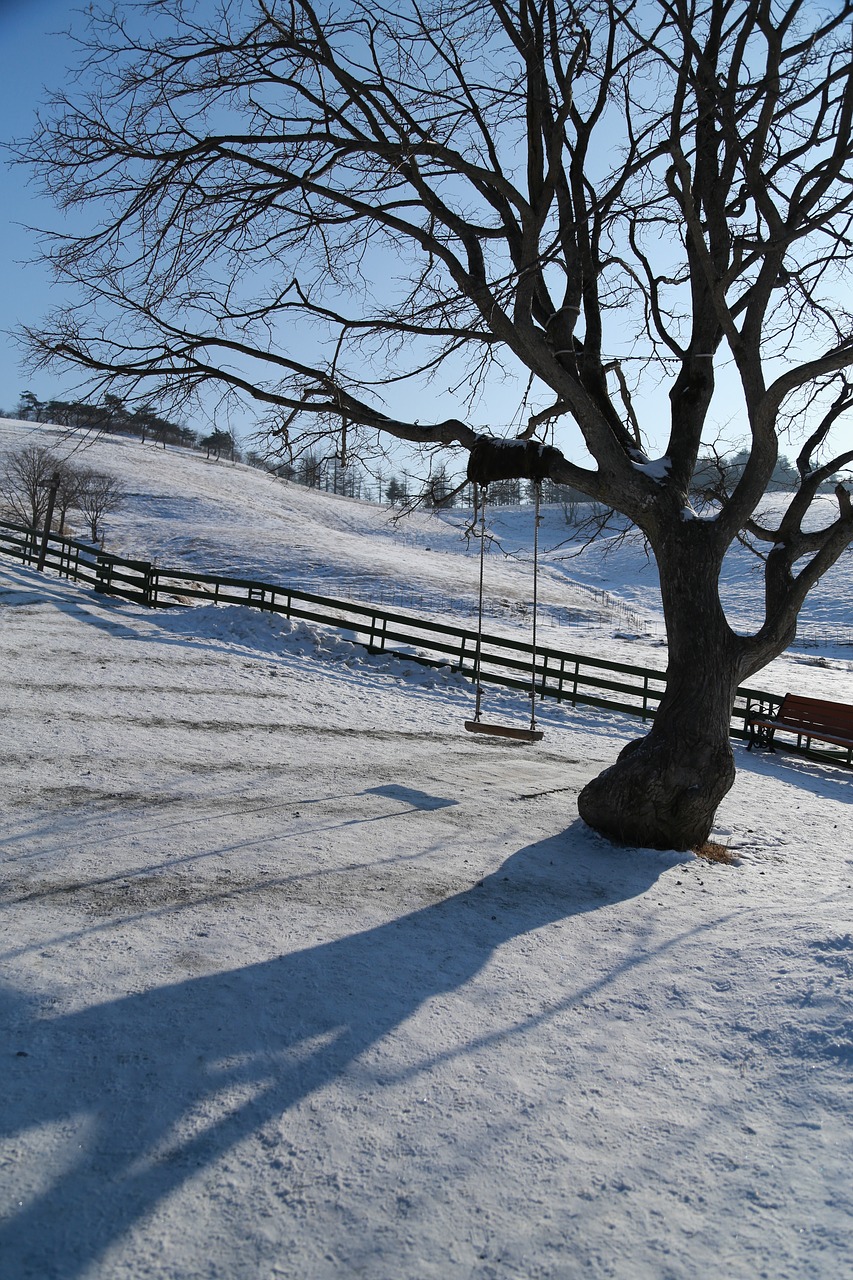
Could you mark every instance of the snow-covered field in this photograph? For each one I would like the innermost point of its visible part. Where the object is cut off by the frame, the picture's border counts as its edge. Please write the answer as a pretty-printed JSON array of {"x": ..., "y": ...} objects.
[{"x": 300, "y": 980}]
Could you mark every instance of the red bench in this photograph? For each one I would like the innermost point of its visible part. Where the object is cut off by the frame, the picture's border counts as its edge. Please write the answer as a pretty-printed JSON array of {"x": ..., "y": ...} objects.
[{"x": 808, "y": 718}]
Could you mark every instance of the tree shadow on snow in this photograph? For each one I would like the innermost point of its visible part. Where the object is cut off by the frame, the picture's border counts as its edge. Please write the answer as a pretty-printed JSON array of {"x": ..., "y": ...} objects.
[{"x": 153, "y": 1088}]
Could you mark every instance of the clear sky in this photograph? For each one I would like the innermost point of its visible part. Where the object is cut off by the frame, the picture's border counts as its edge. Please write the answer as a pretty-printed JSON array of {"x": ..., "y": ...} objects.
[{"x": 33, "y": 54}]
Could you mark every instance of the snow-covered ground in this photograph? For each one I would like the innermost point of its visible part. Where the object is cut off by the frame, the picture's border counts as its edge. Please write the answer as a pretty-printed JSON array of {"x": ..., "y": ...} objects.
[{"x": 300, "y": 980}]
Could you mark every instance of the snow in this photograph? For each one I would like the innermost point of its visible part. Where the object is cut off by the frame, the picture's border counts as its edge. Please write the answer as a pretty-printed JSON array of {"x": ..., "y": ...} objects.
[
  {"x": 654, "y": 468},
  {"x": 300, "y": 980}
]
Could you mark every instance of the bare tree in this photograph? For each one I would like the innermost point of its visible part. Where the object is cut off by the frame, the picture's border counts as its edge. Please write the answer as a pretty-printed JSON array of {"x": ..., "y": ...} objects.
[
  {"x": 67, "y": 492},
  {"x": 98, "y": 495},
  {"x": 315, "y": 206},
  {"x": 26, "y": 479}
]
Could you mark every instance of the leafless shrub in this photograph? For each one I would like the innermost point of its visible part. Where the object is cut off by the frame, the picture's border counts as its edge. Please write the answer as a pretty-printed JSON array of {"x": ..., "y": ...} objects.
[{"x": 99, "y": 495}]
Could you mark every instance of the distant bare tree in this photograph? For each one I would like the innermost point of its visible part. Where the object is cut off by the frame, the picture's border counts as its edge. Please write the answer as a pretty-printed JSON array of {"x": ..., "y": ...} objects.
[
  {"x": 315, "y": 205},
  {"x": 25, "y": 481},
  {"x": 67, "y": 493},
  {"x": 98, "y": 495}
]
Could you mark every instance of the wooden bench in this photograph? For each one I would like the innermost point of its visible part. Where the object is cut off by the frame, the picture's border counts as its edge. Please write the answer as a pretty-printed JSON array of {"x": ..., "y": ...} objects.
[{"x": 808, "y": 718}]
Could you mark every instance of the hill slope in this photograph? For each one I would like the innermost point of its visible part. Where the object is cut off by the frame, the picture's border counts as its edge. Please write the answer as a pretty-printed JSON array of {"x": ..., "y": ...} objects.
[{"x": 186, "y": 511}]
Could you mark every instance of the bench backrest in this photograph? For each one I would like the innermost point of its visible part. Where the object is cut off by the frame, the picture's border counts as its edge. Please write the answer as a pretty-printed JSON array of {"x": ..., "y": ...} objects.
[{"x": 815, "y": 713}]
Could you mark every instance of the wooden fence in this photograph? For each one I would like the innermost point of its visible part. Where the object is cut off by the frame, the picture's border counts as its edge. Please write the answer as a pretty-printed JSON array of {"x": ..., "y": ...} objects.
[{"x": 566, "y": 677}]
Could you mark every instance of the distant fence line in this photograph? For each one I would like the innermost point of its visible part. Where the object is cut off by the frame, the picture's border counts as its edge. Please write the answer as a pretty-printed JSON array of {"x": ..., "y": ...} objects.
[
  {"x": 551, "y": 617},
  {"x": 565, "y": 677}
]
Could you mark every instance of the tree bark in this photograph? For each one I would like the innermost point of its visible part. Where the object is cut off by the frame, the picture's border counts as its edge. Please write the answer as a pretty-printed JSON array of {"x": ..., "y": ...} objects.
[{"x": 664, "y": 789}]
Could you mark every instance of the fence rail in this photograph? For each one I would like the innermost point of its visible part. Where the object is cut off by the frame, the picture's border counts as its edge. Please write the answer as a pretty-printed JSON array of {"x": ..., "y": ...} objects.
[{"x": 504, "y": 661}]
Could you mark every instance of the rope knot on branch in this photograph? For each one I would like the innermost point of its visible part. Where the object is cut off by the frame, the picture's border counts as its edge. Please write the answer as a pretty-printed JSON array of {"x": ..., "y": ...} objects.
[{"x": 491, "y": 459}]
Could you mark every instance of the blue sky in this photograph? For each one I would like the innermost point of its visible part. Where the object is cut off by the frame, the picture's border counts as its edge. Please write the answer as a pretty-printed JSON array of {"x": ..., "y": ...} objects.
[{"x": 32, "y": 55}]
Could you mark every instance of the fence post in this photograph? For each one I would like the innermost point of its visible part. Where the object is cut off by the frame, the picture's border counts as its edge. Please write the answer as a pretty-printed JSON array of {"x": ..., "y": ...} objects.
[
  {"x": 48, "y": 519},
  {"x": 103, "y": 574},
  {"x": 149, "y": 590}
]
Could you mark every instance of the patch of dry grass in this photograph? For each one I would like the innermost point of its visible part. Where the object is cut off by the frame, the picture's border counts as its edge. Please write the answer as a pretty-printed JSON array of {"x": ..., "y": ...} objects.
[{"x": 711, "y": 851}]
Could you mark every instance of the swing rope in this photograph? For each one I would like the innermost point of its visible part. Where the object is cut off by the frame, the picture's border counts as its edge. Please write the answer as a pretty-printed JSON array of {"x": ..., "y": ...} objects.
[
  {"x": 479, "y": 499},
  {"x": 536, "y": 501},
  {"x": 476, "y": 725}
]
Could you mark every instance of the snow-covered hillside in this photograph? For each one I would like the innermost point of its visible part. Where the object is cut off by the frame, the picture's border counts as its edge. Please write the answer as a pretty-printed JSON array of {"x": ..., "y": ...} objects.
[{"x": 184, "y": 510}]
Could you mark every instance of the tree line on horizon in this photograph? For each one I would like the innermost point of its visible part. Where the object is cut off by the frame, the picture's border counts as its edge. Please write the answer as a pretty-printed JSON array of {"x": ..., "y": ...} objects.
[
  {"x": 111, "y": 416},
  {"x": 715, "y": 476}
]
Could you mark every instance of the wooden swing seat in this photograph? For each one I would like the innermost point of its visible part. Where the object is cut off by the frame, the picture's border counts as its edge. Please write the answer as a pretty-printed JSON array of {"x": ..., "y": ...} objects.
[{"x": 504, "y": 731}]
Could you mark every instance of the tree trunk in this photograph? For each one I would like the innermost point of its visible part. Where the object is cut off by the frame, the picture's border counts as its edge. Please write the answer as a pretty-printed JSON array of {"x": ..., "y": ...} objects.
[{"x": 664, "y": 789}]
